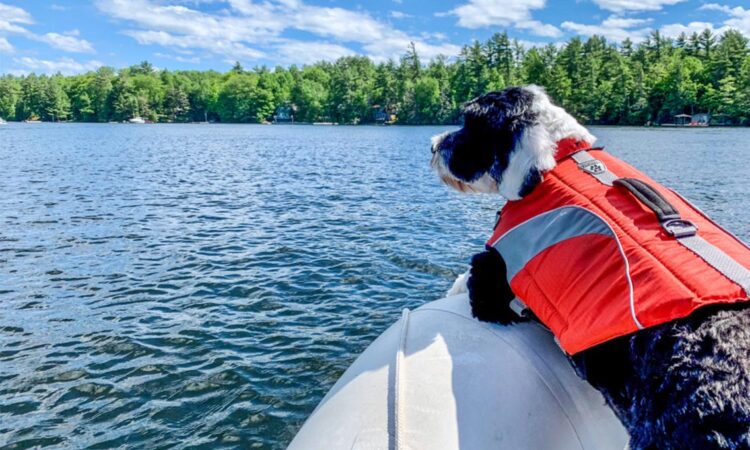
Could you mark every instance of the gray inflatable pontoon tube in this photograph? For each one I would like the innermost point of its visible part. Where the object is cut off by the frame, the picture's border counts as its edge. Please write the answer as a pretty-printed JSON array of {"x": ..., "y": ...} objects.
[{"x": 439, "y": 379}]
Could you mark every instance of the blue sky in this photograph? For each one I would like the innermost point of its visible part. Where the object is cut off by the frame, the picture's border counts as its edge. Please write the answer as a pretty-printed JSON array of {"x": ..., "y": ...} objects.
[{"x": 73, "y": 36}]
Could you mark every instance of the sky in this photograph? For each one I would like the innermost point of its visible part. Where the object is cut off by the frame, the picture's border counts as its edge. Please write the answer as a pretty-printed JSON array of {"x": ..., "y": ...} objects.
[{"x": 74, "y": 36}]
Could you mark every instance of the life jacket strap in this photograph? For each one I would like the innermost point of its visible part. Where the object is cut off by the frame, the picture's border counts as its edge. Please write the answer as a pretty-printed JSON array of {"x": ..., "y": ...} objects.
[{"x": 719, "y": 260}]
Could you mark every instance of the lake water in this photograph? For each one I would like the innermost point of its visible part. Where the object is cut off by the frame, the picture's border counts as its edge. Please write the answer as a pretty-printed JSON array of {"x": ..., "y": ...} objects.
[{"x": 187, "y": 286}]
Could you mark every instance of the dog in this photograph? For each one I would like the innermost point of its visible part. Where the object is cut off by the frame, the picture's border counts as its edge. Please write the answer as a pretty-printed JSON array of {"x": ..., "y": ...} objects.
[{"x": 684, "y": 384}]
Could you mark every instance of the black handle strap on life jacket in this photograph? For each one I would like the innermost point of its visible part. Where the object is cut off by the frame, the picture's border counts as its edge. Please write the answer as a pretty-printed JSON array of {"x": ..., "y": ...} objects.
[
  {"x": 668, "y": 216},
  {"x": 650, "y": 197}
]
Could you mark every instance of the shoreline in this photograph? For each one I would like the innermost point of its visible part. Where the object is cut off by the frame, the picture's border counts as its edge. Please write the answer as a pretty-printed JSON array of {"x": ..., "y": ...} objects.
[{"x": 656, "y": 127}]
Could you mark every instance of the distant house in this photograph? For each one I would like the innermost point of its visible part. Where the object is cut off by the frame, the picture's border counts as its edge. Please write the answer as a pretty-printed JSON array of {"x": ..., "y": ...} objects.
[
  {"x": 284, "y": 113},
  {"x": 382, "y": 115},
  {"x": 379, "y": 114},
  {"x": 682, "y": 119},
  {"x": 701, "y": 119}
]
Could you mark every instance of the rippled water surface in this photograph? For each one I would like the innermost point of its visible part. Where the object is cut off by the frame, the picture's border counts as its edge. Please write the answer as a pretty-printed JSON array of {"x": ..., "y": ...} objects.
[{"x": 204, "y": 286}]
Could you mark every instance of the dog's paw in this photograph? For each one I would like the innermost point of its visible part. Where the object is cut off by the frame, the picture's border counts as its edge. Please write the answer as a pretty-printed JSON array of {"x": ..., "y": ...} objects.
[
  {"x": 460, "y": 286},
  {"x": 489, "y": 290}
]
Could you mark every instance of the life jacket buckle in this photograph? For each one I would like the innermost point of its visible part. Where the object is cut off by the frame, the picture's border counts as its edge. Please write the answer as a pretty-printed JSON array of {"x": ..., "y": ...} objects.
[
  {"x": 679, "y": 228},
  {"x": 519, "y": 307}
]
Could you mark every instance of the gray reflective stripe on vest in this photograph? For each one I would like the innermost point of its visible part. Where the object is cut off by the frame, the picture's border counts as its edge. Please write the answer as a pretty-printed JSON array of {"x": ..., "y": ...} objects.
[
  {"x": 712, "y": 255},
  {"x": 522, "y": 243}
]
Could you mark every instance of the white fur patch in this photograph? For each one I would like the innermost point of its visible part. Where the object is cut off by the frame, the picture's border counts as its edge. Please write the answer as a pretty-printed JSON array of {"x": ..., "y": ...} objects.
[
  {"x": 460, "y": 286},
  {"x": 538, "y": 145}
]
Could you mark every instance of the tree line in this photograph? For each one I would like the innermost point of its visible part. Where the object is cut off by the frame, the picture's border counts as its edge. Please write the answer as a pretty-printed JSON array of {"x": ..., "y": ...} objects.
[{"x": 597, "y": 81}]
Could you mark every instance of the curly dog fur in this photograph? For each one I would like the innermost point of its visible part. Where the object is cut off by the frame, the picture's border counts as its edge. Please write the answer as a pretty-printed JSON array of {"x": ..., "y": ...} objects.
[{"x": 680, "y": 385}]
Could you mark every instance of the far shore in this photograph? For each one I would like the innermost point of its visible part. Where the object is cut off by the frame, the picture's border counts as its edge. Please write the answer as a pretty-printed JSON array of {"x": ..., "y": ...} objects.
[{"x": 324, "y": 124}]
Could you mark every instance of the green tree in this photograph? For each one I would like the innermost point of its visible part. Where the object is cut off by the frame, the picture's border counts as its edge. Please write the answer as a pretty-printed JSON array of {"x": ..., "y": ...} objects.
[
  {"x": 310, "y": 95},
  {"x": 176, "y": 105},
  {"x": 350, "y": 89},
  {"x": 123, "y": 99},
  {"x": 100, "y": 93},
  {"x": 9, "y": 95},
  {"x": 597, "y": 81}
]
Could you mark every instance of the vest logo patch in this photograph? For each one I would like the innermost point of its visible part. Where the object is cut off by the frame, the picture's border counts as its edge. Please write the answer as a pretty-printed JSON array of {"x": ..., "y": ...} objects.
[{"x": 594, "y": 167}]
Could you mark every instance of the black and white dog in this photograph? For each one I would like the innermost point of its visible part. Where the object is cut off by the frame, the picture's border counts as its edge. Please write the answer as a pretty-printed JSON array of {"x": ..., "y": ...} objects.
[{"x": 681, "y": 385}]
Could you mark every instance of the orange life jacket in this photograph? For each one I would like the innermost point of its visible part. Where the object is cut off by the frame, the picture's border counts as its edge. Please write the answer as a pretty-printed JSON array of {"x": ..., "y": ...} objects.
[{"x": 599, "y": 250}]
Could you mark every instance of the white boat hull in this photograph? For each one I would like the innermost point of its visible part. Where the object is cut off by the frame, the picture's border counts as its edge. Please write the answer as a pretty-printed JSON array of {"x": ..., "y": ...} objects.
[{"x": 439, "y": 379}]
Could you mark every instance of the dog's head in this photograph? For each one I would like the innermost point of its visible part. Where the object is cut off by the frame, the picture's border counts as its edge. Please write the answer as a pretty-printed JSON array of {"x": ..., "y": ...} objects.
[{"x": 507, "y": 142}]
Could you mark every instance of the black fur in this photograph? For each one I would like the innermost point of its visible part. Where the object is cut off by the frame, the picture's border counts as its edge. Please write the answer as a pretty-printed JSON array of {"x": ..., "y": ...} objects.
[
  {"x": 681, "y": 385},
  {"x": 532, "y": 179},
  {"x": 491, "y": 293}
]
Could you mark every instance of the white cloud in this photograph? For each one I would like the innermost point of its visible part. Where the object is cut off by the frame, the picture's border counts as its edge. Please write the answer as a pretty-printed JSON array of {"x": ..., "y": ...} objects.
[
  {"x": 11, "y": 28},
  {"x": 739, "y": 17},
  {"x": 540, "y": 29},
  {"x": 717, "y": 7},
  {"x": 516, "y": 13},
  {"x": 339, "y": 23},
  {"x": 298, "y": 52},
  {"x": 436, "y": 35},
  {"x": 221, "y": 46},
  {"x": 183, "y": 59},
  {"x": 674, "y": 29},
  {"x": 614, "y": 28},
  {"x": 396, "y": 45},
  {"x": 66, "y": 42},
  {"x": 635, "y": 5},
  {"x": 5, "y": 46},
  {"x": 248, "y": 30},
  {"x": 399, "y": 15},
  {"x": 66, "y": 66},
  {"x": 15, "y": 14},
  {"x": 11, "y": 16},
  {"x": 257, "y": 22},
  {"x": 623, "y": 22}
]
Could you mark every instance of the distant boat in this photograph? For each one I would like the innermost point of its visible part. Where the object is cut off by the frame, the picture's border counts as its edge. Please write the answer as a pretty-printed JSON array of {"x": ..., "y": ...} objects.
[
  {"x": 3, "y": 122},
  {"x": 32, "y": 121},
  {"x": 137, "y": 120}
]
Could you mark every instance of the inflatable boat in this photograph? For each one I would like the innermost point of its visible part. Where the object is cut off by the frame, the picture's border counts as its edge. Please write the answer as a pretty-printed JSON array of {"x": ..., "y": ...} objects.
[{"x": 439, "y": 379}]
